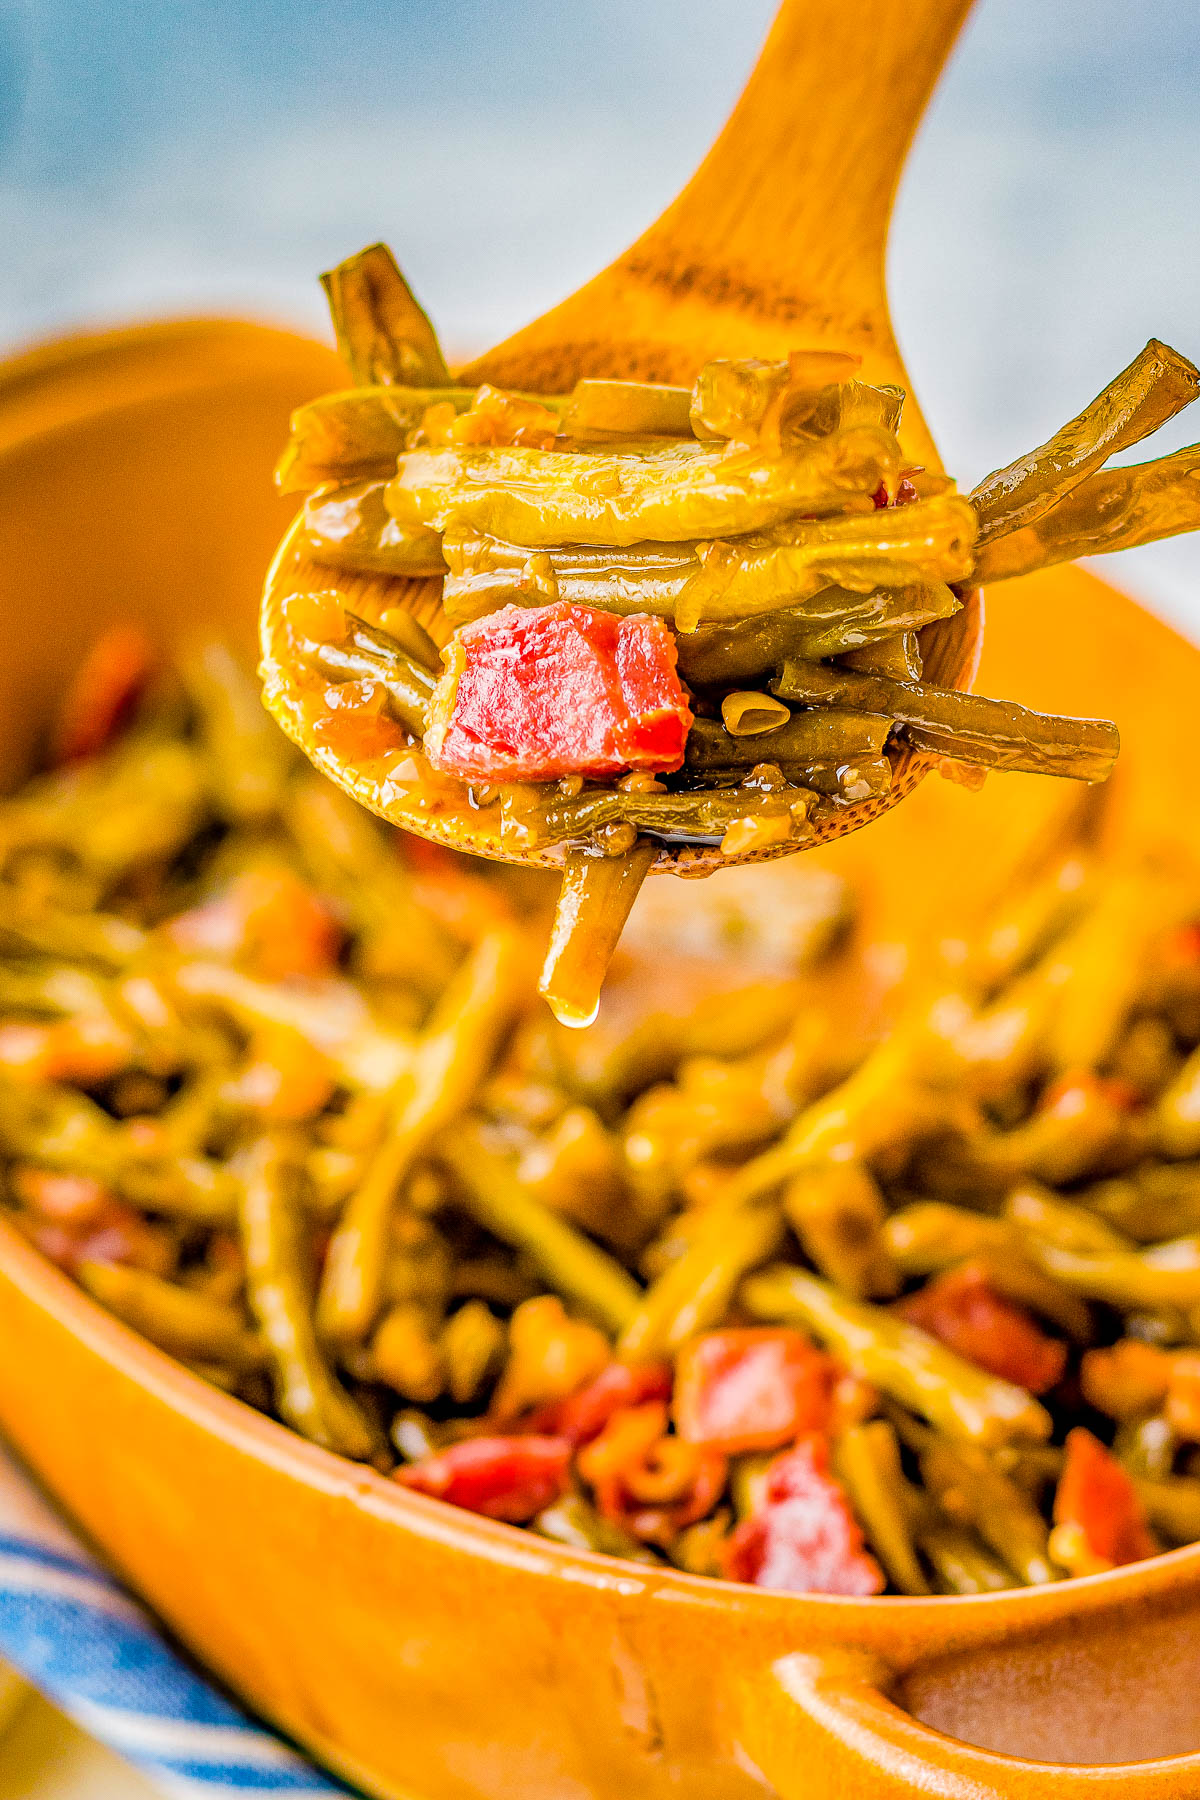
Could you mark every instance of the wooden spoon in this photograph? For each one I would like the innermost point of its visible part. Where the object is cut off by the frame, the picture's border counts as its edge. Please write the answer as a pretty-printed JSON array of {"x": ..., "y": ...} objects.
[{"x": 776, "y": 243}]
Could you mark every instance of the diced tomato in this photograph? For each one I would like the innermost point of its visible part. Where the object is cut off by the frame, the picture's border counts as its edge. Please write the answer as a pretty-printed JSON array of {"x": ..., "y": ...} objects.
[
  {"x": 103, "y": 693},
  {"x": 270, "y": 919},
  {"x": 511, "y": 1478},
  {"x": 1097, "y": 1497},
  {"x": 803, "y": 1539},
  {"x": 751, "y": 1389},
  {"x": 583, "y": 1415},
  {"x": 1183, "y": 945},
  {"x": 964, "y": 1311},
  {"x": 646, "y": 1481},
  {"x": 532, "y": 694}
]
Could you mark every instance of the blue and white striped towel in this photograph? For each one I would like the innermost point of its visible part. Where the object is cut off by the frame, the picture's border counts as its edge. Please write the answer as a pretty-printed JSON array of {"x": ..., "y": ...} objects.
[{"x": 75, "y": 1634}]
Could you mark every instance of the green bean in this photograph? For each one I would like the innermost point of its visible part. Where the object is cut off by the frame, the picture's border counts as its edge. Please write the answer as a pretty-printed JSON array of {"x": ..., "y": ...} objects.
[
  {"x": 954, "y": 1395},
  {"x": 899, "y": 658},
  {"x": 698, "y": 817},
  {"x": 928, "y": 1236},
  {"x": 485, "y": 573},
  {"x": 249, "y": 759},
  {"x": 382, "y": 333},
  {"x": 110, "y": 942},
  {"x": 350, "y": 527},
  {"x": 1157, "y": 384},
  {"x": 998, "y": 733},
  {"x": 489, "y": 1190},
  {"x": 1150, "y": 1202},
  {"x": 1146, "y": 1447},
  {"x": 1166, "y": 1275},
  {"x": 627, "y": 408},
  {"x": 961, "y": 1563},
  {"x": 928, "y": 543},
  {"x": 573, "y": 1521},
  {"x": 369, "y": 654},
  {"x": 837, "y": 1212},
  {"x": 177, "y": 1319},
  {"x": 1173, "y": 1506},
  {"x": 694, "y": 1292},
  {"x": 307, "y": 1393},
  {"x": 1113, "y": 510},
  {"x": 867, "y": 1460},
  {"x": 358, "y": 434},
  {"x": 450, "y": 1061},
  {"x": 831, "y": 622},
  {"x": 974, "y": 1493},
  {"x": 1037, "y": 1213},
  {"x": 594, "y": 901},
  {"x": 808, "y": 737},
  {"x": 546, "y": 497}
]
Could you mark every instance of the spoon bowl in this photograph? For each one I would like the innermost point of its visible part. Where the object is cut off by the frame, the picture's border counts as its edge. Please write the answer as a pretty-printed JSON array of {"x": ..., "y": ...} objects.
[{"x": 778, "y": 242}]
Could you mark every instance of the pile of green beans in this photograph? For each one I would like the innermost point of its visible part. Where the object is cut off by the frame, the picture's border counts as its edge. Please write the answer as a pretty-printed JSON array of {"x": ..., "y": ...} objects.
[{"x": 290, "y": 1107}]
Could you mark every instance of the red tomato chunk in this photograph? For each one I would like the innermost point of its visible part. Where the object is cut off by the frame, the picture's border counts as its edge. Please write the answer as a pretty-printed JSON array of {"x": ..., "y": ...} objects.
[
  {"x": 969, "y": 1317},
  {"x": 803, "y": 1539},
  {"x": 532, "y": 694},
  {"x": 751, "y": 1389},
  {"x": 512, "y": 1478},
  {"x": 1097, "y": 1495},
  {"x": 583, "y": 1415}
]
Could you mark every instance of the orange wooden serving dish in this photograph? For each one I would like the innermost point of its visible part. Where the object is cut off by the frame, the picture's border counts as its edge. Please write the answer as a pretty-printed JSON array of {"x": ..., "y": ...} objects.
[{"x": 425, "y": 1653}]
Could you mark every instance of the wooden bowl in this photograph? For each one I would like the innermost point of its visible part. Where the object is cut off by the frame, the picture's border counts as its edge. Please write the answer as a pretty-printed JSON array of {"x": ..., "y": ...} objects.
[{"x": 425, "y": 1653}]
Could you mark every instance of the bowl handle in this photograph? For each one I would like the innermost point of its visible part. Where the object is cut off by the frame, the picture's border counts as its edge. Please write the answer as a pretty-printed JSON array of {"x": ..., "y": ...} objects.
[{"x": 820, "y": 1727}]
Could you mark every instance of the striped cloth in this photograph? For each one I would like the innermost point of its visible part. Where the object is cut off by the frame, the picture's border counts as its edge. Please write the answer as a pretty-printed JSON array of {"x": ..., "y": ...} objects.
[{"x": 75, "y": 1634}]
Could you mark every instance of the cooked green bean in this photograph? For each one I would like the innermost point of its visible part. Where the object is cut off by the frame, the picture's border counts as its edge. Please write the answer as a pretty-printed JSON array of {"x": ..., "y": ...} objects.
[
  {"x": 358, "y": 434},
  {"x": 382, "y": 333},
  {"x": 307, "y": 1392},
  {"x": 489, "y": 1190},
  {"x": 831, "y": 622},
  {"x": 249, "y": 765},
  {"x": 867, "y": 1459},
  {"x": 1115, "y": 509},
  {"x": 594, "y": 900},
  {"x": 1166, "y": 1275},
  {"x": 824, "y": 736},
  {"x": 628, "y": 408},
  {"x": 998, "y": 733},
  {"x": 368, "y": 654},
  {"x": 451, "y": 1060},
  {"x": 928, "y": 543},
  {"x": 695, "y": 1291},
  {"x": 961, "y": 1563},
  {"x": 179, "y": 1321},
  {"x": 698, "y": 817},
  {"x": 974, "y": 1493},
  {"x": 1173, "y": 1506},
  {"x": 547, "y": 497},
  {"x": 350, "y": 527},
  {"x": 954, "y": 1395},
  {"x": 1157, "y": 384}
]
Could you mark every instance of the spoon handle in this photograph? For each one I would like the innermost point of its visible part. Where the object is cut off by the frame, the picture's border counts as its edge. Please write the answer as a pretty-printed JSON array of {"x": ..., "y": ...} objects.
[
  {"x": 788, "y": 214},
  {"x": 778, "y": 240}
]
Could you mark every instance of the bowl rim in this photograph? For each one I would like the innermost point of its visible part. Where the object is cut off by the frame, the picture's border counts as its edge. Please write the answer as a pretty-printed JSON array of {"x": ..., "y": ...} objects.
[{"x": 244, "y": 1429}]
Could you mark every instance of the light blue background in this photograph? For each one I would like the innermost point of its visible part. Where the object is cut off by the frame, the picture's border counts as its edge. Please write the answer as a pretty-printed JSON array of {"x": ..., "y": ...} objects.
[{"x": 213, "y": 154}]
